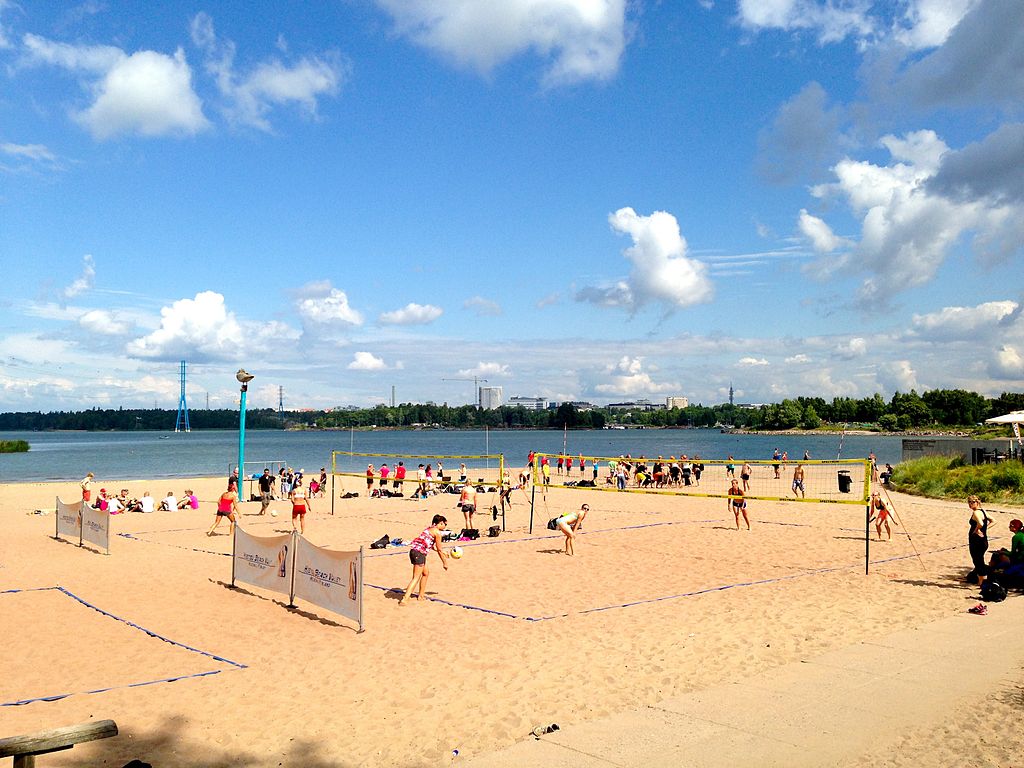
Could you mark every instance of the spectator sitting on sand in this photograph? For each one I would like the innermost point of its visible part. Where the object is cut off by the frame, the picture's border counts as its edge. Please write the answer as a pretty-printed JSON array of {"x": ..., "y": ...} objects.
[
  {"x": 188, "y": 501},
  {"x": 145, "y": 504},
  {"x": 169, "y": 504}
]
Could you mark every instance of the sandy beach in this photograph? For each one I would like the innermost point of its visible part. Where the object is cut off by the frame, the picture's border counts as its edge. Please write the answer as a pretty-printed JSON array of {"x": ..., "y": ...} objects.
[{"x": 664, "y": 597}]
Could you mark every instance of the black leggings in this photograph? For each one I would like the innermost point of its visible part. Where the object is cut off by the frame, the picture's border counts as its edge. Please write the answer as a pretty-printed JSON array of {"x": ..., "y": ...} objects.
[{"x": 978, "y": 547}]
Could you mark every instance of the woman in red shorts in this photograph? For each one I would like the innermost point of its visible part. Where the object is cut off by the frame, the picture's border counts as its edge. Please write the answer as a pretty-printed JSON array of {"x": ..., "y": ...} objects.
[
  {"x": 300, "y": 505},
  {"x": 227, "y": 506}
]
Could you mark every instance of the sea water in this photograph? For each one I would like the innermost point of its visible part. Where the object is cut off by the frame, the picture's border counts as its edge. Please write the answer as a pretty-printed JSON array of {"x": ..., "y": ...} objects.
[{"x": 141, "y": 455}]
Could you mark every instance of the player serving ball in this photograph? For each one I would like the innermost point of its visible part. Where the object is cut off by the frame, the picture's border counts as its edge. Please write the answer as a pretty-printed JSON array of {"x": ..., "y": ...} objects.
[{"x": 420, "y": 547}]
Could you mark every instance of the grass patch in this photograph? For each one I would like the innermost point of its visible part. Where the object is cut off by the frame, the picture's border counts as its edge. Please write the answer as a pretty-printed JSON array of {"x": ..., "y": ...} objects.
[
  {"x": 939, "y": 477},
  {"x": 13, "y": 446}
]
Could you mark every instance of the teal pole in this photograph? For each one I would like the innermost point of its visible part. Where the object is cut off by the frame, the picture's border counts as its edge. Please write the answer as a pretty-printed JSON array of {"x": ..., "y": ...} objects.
[{"x": 241, "y": 442}]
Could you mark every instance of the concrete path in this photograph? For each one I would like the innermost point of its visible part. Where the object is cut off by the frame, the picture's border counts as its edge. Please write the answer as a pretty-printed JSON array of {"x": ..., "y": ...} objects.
[{"x": 811, "y": 713}]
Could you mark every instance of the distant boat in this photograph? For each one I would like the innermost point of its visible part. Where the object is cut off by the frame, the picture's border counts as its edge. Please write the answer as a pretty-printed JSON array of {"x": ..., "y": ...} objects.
[{"x": 164, "y": 437}]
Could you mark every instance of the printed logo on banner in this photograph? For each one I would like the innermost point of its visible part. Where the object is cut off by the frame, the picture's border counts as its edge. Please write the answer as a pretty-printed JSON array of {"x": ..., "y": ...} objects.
[
  {"x": 263, "y": 561},
  {"x": 96, "y": 527},
  {"x": 327, "y": 578},
  {"x": 69, "y": 519}
]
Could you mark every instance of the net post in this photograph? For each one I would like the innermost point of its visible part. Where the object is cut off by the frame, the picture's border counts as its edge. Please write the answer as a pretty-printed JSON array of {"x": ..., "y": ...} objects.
[
  {"x": 533, "y": 490},
  {"x": 56, "y": 516},
  {"x": 234, "y": 538},
  {"x": 334, "y": 464},
  {"x": 359, "y": 576},
  {"x": 295, "y": 556}
]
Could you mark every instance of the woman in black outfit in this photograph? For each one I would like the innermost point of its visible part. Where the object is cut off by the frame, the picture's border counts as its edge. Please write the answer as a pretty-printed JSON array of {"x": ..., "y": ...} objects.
[{"x": 977, "y": 539}]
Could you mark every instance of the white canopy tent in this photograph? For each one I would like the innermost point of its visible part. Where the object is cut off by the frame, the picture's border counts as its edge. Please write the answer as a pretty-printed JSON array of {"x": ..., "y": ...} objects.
[{"x": 1015, "y": 419}]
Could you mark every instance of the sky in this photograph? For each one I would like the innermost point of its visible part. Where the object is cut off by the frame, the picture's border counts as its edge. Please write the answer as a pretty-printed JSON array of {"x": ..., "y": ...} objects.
[{"x": 593, "y": 200}]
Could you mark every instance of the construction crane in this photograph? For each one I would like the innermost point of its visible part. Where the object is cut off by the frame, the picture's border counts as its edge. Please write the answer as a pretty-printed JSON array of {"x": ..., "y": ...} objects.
[{"x": 476, "y": 387}]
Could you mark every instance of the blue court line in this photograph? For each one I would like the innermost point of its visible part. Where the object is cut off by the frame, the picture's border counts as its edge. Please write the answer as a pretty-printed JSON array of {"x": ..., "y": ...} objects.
[
  {"x": 133, "y": 537},
  {"x": 133, "y": 625},
  {"x": 479, "y": 543},
  {"x": 696, "y": 593}
]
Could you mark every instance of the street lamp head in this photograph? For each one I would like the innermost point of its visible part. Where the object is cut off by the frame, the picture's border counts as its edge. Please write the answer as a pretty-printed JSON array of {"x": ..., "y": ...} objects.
[{"x": 243, "y": 376}]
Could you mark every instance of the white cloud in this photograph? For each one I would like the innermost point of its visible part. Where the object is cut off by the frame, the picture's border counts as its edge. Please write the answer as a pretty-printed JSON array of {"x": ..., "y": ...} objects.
[
  {"x": 412, "y": 314},
  {"x": 798, "y": 359},
  {"x": 752, "y": 362},
  {"x": 324, "y": 306},
  {"x": 83, "y": 282},
  {"x": 980, "y": 62},
  {"x": 103, "y": 322},
  {"x": 853, "y": 348},
  {"x": 582, "y": 39},
  {"x": 199, "y": 329},
  {"x": 550, "y": 300},
  {"x": 365, "y": 361},
  {"x": 251, "y": 95},
  {"x": 628, "y": 378},
  {"x": 1007, "y": 363},
  {"x": 898, "y": 376},
  {"x": 907, "y": 227},
  {"x": 662, "y": 272},
  {"x": 927, "y": 23},
  {"x": 822, "y": 238},
  {"x": 482, "y": 307},
  {"x": 38, "y": 152},
  {"x": 963, "y": 322},
  {"x": 831, "y": 21},
  {"x": 486, "y": 369},
  {"x": 145, "y": 93}
]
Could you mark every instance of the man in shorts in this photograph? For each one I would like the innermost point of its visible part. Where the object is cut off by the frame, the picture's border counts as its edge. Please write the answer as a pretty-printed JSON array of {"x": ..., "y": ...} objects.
[
  {"x": 399, "y": 476},
  {"x": 266, "y": 483},
  {"x": 798, "y": 481}
]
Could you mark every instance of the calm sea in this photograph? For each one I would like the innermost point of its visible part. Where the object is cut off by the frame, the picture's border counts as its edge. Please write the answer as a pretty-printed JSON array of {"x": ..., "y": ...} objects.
[{"x": 139, "y": 455}]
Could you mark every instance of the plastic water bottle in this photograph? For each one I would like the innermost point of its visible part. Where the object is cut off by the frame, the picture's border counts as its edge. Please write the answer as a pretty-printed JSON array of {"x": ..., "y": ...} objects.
[{"x": 541, "y": 730}]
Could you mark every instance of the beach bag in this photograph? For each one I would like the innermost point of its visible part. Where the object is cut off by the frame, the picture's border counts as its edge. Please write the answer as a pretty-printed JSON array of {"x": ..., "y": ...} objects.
[
  {"x": 381, "y": 543},
  {"x": 553, "y": 524},
  {"x": 469, "y": 533},
  {"x": 992, "y": 591},
  {"x": 493, "y": 531}
]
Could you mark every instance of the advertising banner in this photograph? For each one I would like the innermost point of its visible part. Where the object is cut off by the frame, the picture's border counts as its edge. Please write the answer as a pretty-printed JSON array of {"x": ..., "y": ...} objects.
[
  {"x": 96, "y": 527},
  {"x": 329, "y": 579},
  {"x": 264, "y": 562},
  {"x": 69, "y": 520}
]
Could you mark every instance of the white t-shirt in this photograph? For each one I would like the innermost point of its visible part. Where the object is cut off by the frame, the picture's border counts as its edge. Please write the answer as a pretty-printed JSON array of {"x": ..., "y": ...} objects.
[
  {"x": 114, "y": 505},
  {"x": 170, "y": 504},
  {"x": 146, "y": 504}
]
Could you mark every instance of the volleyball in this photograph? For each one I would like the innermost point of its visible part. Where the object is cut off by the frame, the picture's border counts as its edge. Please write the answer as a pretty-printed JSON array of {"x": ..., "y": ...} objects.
[{"x": 456, "y": 552}]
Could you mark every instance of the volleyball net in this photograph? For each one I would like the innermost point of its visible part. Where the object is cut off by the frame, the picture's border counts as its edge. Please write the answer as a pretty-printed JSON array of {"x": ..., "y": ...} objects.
[
  {"x": 843, "y": 481},
  {"x": 409, "y": 474}
]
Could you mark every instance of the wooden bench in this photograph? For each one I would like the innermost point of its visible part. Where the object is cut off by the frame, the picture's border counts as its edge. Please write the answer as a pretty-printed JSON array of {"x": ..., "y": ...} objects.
[{"x": 25, "y": 748}]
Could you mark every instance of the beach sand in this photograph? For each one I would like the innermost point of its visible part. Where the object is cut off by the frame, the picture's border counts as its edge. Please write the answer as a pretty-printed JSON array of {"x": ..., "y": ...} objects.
[{"x": 663, "y": 598}]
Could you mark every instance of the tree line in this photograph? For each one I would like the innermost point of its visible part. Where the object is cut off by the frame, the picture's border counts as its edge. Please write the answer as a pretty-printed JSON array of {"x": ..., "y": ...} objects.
[{"x": 937, "y": 408}]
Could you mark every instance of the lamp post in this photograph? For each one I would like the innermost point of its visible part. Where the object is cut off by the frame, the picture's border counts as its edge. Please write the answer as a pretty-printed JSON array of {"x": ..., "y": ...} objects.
[{"x": 244, "y": 377}]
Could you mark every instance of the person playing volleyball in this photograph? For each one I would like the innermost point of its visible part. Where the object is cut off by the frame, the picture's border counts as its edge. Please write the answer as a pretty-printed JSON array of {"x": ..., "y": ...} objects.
[
  {"x": 737, "y": 504},
  {"x": 880, "y": 513},
  {"x": 420, "y": 547},
  {"x": 300, "y": 504},
  {"x": 568, "y": 524}
]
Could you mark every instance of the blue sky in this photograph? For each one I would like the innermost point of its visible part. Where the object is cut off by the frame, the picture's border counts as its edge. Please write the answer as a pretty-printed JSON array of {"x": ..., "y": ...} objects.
[{"x": 573, "y": 199}]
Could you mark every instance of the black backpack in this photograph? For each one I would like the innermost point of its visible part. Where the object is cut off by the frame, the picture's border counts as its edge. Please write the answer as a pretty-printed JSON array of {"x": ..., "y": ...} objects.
[{"x": 992, "y": 591}]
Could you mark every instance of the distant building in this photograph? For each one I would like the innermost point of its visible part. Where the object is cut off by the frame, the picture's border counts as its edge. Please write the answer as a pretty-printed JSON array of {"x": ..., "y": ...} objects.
[
  {"x": 635, "y": 405},
  {"x": 490, "y": 398},
  {"x": 677, "y": 402},
  {"x": 581, "y": 405},
  {"x": 529, "y": 403}
]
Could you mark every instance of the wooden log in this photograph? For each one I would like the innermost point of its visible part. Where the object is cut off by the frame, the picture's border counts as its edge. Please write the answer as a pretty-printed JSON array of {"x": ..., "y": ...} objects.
[{"x": 24, "y": 748}]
